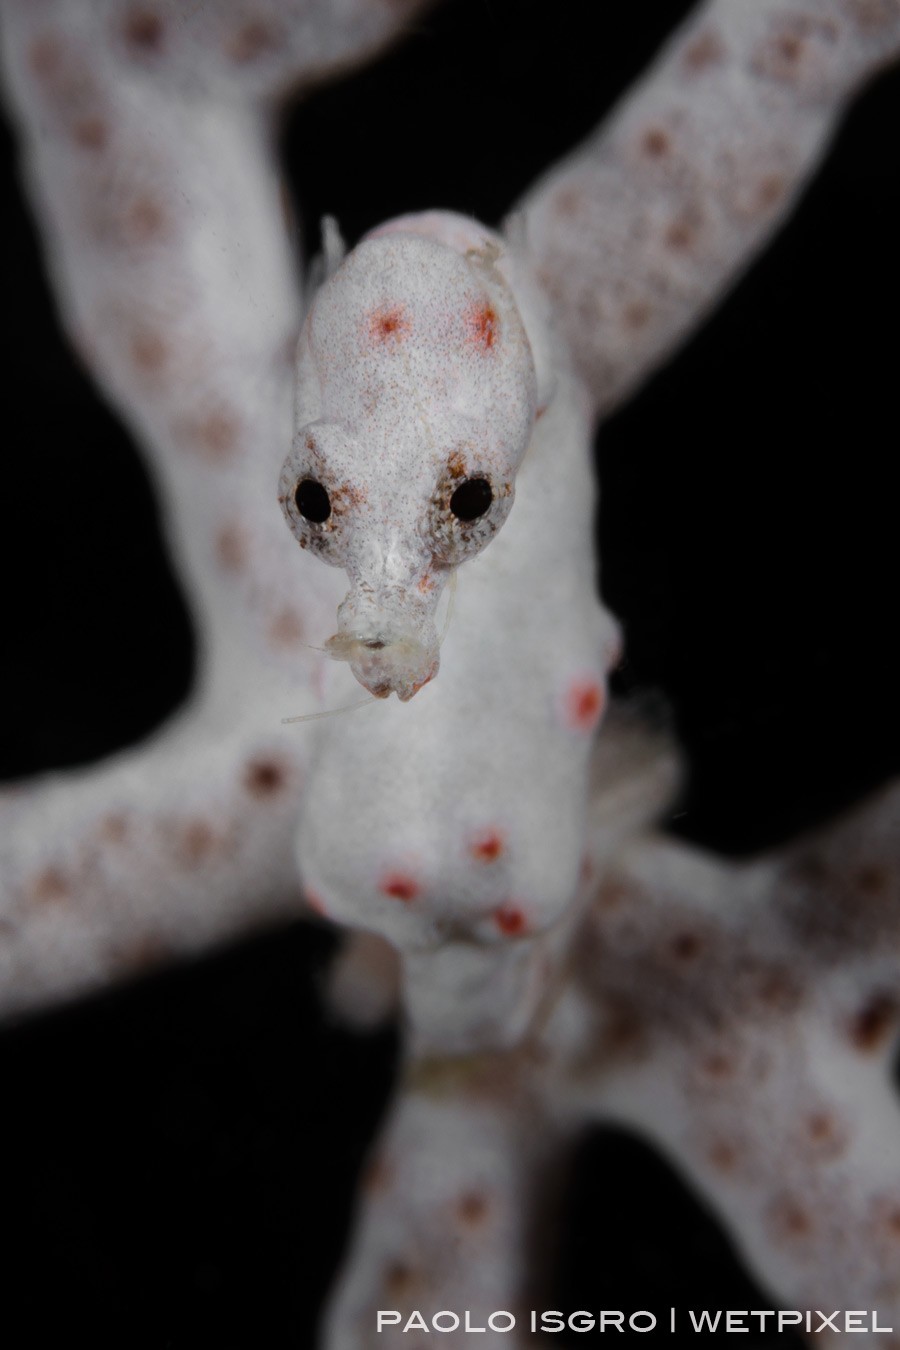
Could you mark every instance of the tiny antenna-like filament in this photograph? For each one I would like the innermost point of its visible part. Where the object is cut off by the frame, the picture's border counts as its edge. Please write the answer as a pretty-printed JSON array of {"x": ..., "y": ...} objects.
[
  {"x": 330, "y": 712},
  {"x": 451, "y": 597}
]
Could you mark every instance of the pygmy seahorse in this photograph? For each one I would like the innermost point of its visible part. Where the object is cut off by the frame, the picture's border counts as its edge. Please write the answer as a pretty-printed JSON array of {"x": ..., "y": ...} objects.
[{"x": 431, "y": 392}]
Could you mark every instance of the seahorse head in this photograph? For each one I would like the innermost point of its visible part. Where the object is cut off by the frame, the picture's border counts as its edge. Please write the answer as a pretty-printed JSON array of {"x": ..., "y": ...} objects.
[{"x": 416, "y": 398}]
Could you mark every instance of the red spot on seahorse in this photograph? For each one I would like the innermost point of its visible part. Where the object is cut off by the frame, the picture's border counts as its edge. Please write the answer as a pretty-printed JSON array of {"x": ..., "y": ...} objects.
[
  {"x": 584, "y": 704},
  {"x": 390, "y": 323},
  {"x": 487, "y": 846},
  {"x": 400, "y": 886},
  {"x": 482, "y": 326},
  {"x": 510, "y": 920}
]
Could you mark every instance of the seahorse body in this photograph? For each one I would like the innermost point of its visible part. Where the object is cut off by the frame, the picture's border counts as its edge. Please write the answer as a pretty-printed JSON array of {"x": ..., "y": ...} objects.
[{"x": 453, "y": 824}]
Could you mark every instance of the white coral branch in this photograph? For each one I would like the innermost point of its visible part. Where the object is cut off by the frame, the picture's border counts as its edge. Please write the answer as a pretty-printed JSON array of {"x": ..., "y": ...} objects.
[{"x": 639, "y": 231}]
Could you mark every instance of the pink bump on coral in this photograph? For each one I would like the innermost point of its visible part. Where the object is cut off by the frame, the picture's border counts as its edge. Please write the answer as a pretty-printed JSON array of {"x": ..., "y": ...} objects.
[{"x": 400, "y": 886}]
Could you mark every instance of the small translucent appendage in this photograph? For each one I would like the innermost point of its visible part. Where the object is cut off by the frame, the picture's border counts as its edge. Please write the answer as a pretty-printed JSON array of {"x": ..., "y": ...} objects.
[{"x": 400, "y": 665}]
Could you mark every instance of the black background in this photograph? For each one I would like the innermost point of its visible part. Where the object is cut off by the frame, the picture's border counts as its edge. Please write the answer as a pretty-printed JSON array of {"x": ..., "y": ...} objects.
[{"x": 179, "y": 1157}]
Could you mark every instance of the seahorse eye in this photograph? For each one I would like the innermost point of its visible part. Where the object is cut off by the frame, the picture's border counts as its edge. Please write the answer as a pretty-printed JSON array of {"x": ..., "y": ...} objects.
[
  {"x": 312, "y": 501},
  {"x": 471, "y": 499}
]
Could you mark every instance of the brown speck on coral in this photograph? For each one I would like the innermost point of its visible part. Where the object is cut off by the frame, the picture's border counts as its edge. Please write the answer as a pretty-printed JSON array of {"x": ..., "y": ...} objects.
[
  {"x": 687, "y": 946},
  {"x": 265, "y": 777},
  {"x": 789, "y": 48},
  {"x": 231, "y": 547},
  {"x": 144, "y": 31},
  {"x": 114, "y": 828},
  {"x": 148, "y": 352},
  {"x": 790, "y": 1220},
  {"x": 680, "y": 235},
  {"x": 196, "y": 841},
  {"x": 45, "y": 57},
  {"x": 656, "y": 143},
  {"x": 569, "y": 203},
  {"x": 215, "y": 435},
  {"x": 472, "y": 1207},
  {"x": 781, "y": 54},
  {"x": 706, "y": 50},
  {"x": 887, "y": 1217},
  {"x": 252, "y": 40},
  {"x": 874, "y": 1022},
  {"x": 286, "y": 629},
  {"x": 871, "y": 15},
  {"x": 770, "y": 191},
  {"x": 718, "y": 1066},
  {"x": 91, "y": 133},
  {"x": 145, "y": 220},
  {"x": 50, "y": 886},
  {"x": 400, "y": 1278},
  {"x": 637, "y": 315},
  {"x": 723, "y": 1155},
  {"x": 825, "y": 1133},
  {"x": 873, "y": 880}
]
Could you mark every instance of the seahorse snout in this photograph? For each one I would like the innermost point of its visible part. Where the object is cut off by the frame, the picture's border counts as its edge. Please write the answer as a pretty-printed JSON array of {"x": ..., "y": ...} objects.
[
  {"x": 387, "y": 635},
  {"x": 387, "y": 662}
]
